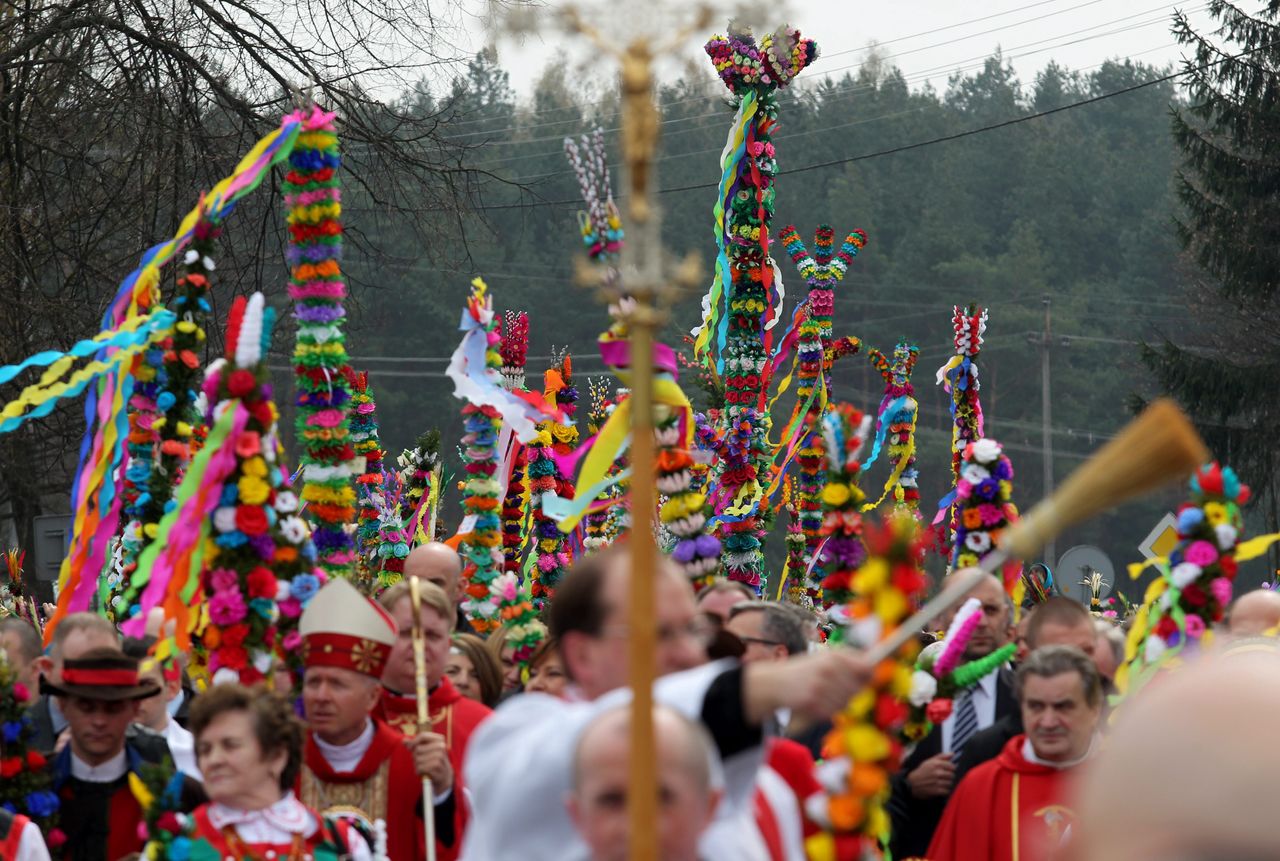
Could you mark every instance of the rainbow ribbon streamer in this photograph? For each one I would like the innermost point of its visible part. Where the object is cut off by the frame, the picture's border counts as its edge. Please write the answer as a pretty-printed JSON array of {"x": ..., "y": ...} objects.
[
  {"x": 131, "y": 338},
  {"x": 94, "y": 491},
  {"x": 735, "y": 149},
  {"x": 166, "y": 566}
]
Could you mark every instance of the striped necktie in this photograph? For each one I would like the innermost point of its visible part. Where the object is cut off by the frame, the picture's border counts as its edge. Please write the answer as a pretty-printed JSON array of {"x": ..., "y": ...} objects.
[{"x": 966, "y": 722}]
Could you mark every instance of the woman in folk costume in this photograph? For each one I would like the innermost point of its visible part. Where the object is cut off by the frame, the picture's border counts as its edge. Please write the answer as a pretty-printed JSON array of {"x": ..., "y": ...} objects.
[
  {"x": 249, "y": 747},
  {"x": 355, "y": 765}
]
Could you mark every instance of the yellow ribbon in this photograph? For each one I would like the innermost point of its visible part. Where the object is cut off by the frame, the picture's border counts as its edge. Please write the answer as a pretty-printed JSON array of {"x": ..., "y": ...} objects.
[
  {"x": 1245, "y": 551},
  {"x": 604, "y": 451}
]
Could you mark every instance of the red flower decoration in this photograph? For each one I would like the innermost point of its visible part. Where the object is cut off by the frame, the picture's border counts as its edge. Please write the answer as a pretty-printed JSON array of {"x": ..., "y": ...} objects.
[
  {"x": 1194, "y": 596},
  {"x": 234, "y": 635},
  {"x": 262, "y": 583},
  {"x": 938, "y": 710},
  {"x": 35, "y": 761},
  {"x": 1166, "y": 628},
  {"x": 240, "y": 383},
  {"x": 1228, "y": 565},
  {"x": 10, "y": 767},
  {"x": 261, "y": 412},
  {"x": 233, "y": 657},
  {"x": 251, "y": 520}
]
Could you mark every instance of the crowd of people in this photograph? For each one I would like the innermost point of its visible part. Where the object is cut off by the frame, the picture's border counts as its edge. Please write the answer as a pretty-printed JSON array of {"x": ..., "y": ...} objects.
[{"x": 528, "y": 758}]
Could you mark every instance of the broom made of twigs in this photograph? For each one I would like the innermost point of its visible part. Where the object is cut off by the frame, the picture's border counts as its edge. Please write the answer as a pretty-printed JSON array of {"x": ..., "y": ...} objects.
[{"x": 1158, "y": 447}]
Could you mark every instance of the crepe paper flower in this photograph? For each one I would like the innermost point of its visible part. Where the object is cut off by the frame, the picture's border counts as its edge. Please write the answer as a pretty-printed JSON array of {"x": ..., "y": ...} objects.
[
  {"x": 163, "y": 413},
  {"x": 896, "y": 424},
  {"x": 958, "y": 635},
  {"x": 554, "y": 440},
  {"x": 27, "y": 782},
  {"x": 312, "y": 190},
  {"x": 844, "y": 431},
  {"x": 481, "y": 547},
  {"x": 369, "y": 483},
  {"x": 982, "y": 507},
  {"x": 417, "y": 466},
  {"x": 864, "y": 747},
  {"x": 793, "y": 570},
  {"x": 517, "y": 501},
  {"x": 924, "y": 687},
  {"x": 257, "y": 552},
  {"x": 1195, "y": 586}
]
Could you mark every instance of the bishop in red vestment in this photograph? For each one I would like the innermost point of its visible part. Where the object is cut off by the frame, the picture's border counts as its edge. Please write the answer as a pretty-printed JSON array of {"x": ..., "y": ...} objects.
[
  {"x": 383, "y": 784},
  {"x": 356, "y": 766}
]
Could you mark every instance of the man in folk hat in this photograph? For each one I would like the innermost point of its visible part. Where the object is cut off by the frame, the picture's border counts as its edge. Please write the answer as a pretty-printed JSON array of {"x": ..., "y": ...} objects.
[
  {"x": 356, "y": 765},
  {"x": 98, "y": 694}
]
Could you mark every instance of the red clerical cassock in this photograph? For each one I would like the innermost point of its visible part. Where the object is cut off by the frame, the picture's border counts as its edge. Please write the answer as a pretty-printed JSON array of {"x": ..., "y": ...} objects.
[
  {"x": 368, "y": 776},
  {"x": 1008, "y": 809},
  {"x": 453, "y": 716}
]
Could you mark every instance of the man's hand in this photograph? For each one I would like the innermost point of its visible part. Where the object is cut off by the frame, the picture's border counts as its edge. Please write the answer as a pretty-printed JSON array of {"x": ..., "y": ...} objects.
[
  {"x": 817, "y": 685},
  {"x": 431, "y": 759},
  {"x": 933, "y": 777}
]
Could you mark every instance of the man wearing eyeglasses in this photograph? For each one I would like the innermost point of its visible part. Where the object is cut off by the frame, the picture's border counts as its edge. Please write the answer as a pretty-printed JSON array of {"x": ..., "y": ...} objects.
[
  {"x": 519, "y": 765},
  {"x": 770, "y": 633}
]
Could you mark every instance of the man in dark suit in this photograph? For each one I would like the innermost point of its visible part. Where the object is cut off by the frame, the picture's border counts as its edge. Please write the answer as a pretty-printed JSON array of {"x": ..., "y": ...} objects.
[
  {"x": 1057, "y": 622},
  {"x": 921, "y": 788},
  {"x": 76, "y": 635}
]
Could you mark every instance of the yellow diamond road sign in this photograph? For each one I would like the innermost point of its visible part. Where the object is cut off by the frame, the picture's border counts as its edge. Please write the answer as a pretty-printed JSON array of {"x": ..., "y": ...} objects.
[{"x": 1162, "y": 539}]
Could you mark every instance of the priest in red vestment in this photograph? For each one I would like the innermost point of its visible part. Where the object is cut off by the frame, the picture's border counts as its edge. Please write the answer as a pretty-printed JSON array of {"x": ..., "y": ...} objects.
[
  {"x": 452, "y": 715},
  {"x": 1015, "y": 807},
  {"x": 355, "y": 765}
]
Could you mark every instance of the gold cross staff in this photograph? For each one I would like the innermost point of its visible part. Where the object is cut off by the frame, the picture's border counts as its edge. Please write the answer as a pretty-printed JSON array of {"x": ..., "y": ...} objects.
[{"x": 647, "y": 290}]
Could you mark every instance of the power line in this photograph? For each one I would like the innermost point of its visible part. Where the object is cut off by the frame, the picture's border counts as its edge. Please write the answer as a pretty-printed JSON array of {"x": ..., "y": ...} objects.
[
  {"x": 906, "y": 147},
  {"x": 930, "y": 72},
  {"x": 977, "y": 62},
  {"x": 822, "y": 55}
]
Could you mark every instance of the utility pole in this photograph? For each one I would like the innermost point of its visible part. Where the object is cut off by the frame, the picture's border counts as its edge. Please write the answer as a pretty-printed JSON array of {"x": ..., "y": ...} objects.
[{"x": 1046, "y": 418}]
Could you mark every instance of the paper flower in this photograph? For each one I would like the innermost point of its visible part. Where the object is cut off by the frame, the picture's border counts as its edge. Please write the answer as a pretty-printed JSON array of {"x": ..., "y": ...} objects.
[
  {"x": 864, "y": 747},
  {"x": 1195, "y": 587}
]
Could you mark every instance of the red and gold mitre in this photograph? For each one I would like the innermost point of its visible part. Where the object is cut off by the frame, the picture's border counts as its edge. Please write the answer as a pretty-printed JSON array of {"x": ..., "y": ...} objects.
[{"x": 342, "y": 628}]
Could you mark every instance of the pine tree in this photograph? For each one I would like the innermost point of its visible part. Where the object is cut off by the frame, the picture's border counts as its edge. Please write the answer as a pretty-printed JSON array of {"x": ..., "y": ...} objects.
[{"x": 1223, "y": 365}]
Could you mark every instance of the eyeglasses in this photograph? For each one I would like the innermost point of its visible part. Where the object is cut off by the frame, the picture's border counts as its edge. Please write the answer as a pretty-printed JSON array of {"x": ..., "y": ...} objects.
[{"x": 699, "y": 630}]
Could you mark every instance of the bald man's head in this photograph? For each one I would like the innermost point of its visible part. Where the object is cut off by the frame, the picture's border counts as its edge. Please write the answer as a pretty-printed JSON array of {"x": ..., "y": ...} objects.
[
  {"x": 1193, "y": 739},
  {"x": 689, "y": 783},
  {"x": 439, "y": 563},
  {"x": 1254, "y": 613},
  {"x": 994, "y": 625}
]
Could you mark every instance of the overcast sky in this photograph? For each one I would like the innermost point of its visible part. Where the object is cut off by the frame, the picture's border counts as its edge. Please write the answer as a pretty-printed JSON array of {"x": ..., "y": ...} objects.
[{"x": 927, "y": 39}]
